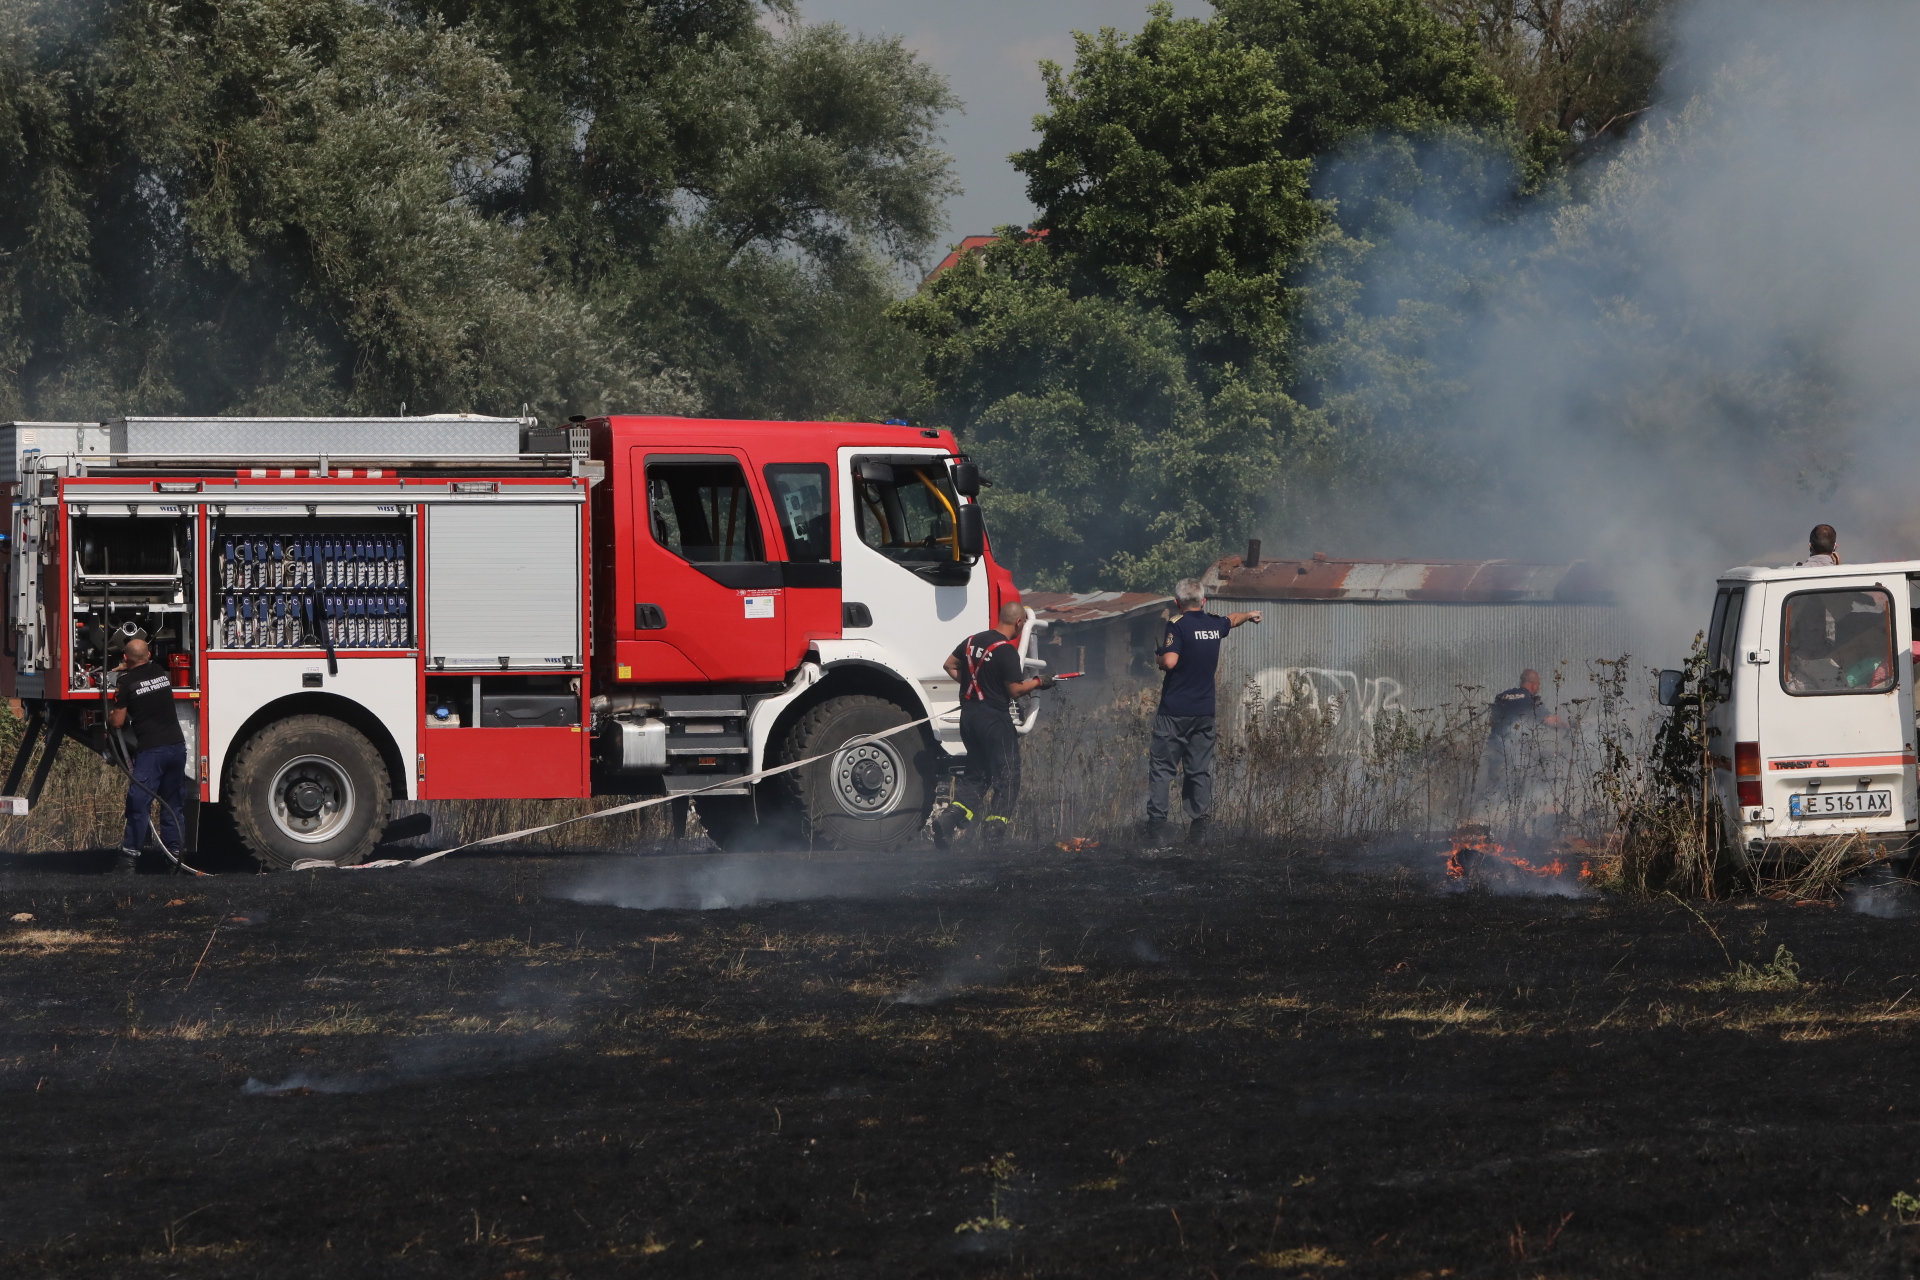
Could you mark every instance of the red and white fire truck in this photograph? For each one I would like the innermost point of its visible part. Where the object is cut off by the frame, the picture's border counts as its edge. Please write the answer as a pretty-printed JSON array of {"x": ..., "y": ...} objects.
[{"x": 357, "y": 610}]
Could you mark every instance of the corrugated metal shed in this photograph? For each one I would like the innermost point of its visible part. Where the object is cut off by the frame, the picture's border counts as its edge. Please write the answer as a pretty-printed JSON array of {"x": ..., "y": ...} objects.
[
  {"x": 1106, "y": 634},
  {"x": 1066, "y": 608},
  {"x": 1374, "y": 636},
  {"x": 1432, "y": 581}
]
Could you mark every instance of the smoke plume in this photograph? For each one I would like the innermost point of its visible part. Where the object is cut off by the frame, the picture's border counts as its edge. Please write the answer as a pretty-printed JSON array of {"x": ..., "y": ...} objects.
[{"x": 1704, "y": 349}]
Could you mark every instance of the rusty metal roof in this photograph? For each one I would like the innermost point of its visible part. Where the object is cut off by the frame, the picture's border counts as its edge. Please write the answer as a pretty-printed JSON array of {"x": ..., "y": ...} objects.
[
  {"x": 1091, "y": 606},
  {"x": 1441, "y": 581}
]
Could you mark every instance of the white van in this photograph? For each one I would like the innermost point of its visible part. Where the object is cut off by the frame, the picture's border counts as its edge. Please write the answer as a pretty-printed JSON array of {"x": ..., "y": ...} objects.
[{"x": 1814, "y": 736}]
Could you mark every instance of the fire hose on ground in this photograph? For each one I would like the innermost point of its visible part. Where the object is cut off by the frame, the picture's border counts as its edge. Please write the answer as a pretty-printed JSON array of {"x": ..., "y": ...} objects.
[{"x": 732, "y": 780}]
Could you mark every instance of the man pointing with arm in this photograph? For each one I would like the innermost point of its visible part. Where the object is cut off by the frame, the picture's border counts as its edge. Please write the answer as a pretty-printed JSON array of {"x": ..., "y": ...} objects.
[{"x": 1183, "y": 731}]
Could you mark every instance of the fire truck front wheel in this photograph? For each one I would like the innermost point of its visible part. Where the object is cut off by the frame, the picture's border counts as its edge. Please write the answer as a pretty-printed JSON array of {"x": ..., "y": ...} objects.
[
  {"x": 309, "y": 787},
  {"x": 872, "y": 796}
]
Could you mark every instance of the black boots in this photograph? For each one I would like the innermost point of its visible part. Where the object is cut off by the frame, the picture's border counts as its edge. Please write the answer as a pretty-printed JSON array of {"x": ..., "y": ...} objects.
[
  {"x": 1197, "y": 831},
  {"x": 949, "y": 823},
  {"x": 126, "y": 863}
]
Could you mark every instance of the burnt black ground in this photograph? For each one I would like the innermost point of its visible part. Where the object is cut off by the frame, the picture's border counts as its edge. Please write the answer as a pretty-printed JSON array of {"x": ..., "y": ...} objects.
[{"x": 1244, "y": 1060}]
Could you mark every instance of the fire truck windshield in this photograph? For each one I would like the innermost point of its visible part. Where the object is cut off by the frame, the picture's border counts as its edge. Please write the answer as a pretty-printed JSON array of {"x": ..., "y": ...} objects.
[{"x": 905, "y": 511}]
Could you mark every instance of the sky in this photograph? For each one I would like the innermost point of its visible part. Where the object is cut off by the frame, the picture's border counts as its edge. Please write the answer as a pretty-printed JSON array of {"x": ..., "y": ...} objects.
[{"x": 988, "y": 50}]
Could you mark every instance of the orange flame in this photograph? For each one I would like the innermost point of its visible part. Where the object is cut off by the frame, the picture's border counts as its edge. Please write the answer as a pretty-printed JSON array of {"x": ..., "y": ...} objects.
[{"x": 1465, "y": 853}]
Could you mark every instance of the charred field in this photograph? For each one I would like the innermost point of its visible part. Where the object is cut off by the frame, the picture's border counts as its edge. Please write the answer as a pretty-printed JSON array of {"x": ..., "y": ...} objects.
[{"x": 1042, "y": 1063}]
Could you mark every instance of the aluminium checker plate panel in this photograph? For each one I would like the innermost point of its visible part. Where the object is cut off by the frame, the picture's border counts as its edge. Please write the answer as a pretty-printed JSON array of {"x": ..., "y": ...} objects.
[{"x": 309, "y": 437}]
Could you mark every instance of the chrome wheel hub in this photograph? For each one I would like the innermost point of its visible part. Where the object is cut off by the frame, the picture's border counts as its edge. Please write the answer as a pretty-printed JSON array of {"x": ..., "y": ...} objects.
[
  {"x": 312, "y": 799},
  {"x": 867, "y": 779}
]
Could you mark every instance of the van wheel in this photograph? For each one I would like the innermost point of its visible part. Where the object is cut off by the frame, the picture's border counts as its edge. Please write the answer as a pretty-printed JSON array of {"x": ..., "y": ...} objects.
[
  {"x": 870, "y": 797},
  {"x": 309, "y": 787}
]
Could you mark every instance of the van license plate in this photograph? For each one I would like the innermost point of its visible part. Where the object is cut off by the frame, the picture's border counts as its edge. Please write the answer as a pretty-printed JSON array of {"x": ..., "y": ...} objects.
[{"x": 1842, "y": 804}]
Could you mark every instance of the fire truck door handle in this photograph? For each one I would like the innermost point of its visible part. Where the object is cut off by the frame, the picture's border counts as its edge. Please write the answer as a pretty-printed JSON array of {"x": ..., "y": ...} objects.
[
  {"x": 649, "y": 617},
  {"x": 1759, "y": 657}
]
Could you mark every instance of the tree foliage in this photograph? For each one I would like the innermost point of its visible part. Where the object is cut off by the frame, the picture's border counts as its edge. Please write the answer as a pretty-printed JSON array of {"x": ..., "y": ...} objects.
[
  {"x": 325, "y": 205},
  {"x": 1580, "y": 71},
  {"x": 1127, "y": 373}
]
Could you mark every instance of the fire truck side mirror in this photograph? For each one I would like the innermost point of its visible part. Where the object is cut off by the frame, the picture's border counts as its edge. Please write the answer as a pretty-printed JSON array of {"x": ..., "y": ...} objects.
[
  {"x": 972, "y": 531},
  {"x": 966, "y": 479},
  {"x": 1672, "y": 683}
]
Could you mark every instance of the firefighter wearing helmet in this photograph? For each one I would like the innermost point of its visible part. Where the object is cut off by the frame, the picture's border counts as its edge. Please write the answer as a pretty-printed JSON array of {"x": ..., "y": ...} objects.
[{"x": 987, "y": 666}]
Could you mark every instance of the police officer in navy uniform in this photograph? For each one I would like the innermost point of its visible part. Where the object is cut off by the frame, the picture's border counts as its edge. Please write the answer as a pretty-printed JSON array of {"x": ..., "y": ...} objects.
[
  {"x": 144, "y": 695},
  {"x": 1512, "y": 709},
  {"x": 987, "y": 665},
  {"x": 1183, "y": 729}
]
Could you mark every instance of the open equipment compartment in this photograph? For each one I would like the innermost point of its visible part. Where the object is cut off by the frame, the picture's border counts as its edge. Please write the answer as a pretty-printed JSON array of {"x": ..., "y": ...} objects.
[
  {"x": 131, "y": 577},
  {"x": 291, "y": 583}
]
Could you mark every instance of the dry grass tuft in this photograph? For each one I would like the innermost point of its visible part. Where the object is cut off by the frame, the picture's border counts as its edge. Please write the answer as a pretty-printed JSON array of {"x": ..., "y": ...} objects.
[{"x": 1297, "y": 1259}]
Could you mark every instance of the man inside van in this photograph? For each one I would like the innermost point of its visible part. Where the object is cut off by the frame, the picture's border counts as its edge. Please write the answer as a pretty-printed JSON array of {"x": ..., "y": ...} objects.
[{"x": 1822, "y": 547}]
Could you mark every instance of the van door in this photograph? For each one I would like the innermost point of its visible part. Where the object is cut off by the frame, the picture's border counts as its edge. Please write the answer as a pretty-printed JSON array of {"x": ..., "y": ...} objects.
[
  {"x": 1836, "y": 708},
  {"x": 703, "y": 587},
  {"x": 1725, "y": 676}
]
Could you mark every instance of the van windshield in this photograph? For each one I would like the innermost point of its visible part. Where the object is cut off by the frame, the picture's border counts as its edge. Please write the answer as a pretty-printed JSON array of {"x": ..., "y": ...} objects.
[{"x": 1838, "y": 642}]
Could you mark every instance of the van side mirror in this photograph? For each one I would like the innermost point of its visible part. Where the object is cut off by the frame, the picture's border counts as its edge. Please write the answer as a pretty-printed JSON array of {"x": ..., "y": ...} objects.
[
  {"x": 966, "y": 479},
  {"x": 971, "y": 530},
  {"x": 1672, "y": 688}
]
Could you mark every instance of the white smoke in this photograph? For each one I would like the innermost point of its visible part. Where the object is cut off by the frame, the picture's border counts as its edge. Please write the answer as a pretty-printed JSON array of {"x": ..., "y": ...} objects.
[
  {"x": 1708, "y": 350},
  {"x": 727, "y": 881}
]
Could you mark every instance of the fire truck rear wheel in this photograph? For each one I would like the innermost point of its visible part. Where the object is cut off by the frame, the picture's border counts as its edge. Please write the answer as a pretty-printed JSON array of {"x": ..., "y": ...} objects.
[
  {"x": 873, "y": 796},
  {"x": 309, "y": 787}
]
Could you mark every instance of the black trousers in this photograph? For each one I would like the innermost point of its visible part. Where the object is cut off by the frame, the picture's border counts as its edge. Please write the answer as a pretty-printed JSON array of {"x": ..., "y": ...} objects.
[{"x": 993, "y": 760}]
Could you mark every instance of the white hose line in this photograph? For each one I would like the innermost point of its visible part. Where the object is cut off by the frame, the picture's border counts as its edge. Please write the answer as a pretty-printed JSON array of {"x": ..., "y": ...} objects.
[{"x": 731, "y": 780}]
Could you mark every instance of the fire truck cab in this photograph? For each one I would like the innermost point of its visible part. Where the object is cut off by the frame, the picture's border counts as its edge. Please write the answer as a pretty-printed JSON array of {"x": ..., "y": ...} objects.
[
  {"x": 1810, "y": 704},
  {"x": 357, "y": 611}
]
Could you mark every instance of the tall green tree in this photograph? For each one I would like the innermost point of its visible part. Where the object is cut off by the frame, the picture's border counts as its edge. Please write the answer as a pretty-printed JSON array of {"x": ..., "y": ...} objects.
[
  {"x": 740, "y": 197},
  {"x": 313, "y": 205},
  {"x": 1174, "y": 175},
  {"x": 1580, "y": 71}
]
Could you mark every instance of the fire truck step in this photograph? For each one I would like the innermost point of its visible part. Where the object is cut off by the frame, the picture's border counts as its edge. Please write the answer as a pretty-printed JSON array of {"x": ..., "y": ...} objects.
[{"x": 679, "y": 782}]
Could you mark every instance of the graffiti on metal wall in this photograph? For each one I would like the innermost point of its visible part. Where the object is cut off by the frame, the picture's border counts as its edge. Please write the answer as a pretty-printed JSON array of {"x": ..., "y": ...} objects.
[{"x": 1351, "y": 703}]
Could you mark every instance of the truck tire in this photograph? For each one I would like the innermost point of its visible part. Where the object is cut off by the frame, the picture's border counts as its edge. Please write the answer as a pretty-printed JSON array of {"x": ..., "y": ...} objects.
[
  {"x": 872, "y": 797},
  {"x": 309, "y": 787}
]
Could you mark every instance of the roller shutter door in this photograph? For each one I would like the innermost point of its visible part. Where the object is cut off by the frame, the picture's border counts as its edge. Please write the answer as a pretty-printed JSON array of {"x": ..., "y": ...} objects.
[{"x": 503, "y": 581}]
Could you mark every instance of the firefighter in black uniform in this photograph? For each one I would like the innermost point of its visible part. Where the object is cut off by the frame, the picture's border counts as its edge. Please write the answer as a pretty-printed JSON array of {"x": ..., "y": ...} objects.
[
  {"x": 987, "y": 666},
  {"x": 144, "y": 694}
]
